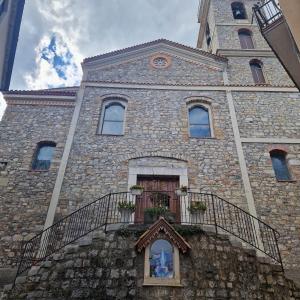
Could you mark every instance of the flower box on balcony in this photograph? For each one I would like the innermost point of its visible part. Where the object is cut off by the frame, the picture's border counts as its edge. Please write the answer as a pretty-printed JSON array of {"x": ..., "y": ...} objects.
[
  {"x": 197, "y": 211},
  {"x": 126, "y": 209}
]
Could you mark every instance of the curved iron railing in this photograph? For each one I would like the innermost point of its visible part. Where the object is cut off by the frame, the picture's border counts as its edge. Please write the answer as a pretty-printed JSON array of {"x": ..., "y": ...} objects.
[{"x": 219, "y": 213}]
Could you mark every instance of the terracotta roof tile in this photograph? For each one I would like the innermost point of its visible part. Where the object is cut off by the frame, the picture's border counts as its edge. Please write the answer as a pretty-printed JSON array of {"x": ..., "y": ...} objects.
[
  {"x": 189, "y": 84},
  {"x": 40, "y": 92},
  {"x": 144, "y": 45}
]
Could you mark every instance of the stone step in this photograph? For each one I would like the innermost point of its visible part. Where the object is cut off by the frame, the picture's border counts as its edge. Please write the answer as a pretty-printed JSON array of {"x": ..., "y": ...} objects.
[
  {"x": 7, "y": 276},
  {"x": 293, "y": 275}
]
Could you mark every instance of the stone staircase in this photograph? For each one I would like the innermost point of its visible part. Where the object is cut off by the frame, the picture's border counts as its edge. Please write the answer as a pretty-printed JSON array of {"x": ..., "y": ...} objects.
[{"x": 106, "y": 266}]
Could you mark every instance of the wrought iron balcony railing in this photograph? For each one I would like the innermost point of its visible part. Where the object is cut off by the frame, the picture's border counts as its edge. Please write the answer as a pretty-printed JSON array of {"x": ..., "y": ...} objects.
[
  {"x": 267, "y": 13},
  {"x": 125, "y": 208}
]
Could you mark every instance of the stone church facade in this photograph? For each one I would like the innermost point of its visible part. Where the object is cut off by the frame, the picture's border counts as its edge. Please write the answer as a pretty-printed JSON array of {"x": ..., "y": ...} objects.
[{"x": 250, "y": 110}]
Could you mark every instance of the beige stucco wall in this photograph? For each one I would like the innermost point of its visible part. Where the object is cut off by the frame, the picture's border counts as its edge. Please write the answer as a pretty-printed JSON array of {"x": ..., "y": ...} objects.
[{"x": 291, "y": 11}]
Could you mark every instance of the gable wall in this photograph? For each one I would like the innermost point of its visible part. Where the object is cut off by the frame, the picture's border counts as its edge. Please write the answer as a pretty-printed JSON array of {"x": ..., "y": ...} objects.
[{"x": 140, "y": 70}]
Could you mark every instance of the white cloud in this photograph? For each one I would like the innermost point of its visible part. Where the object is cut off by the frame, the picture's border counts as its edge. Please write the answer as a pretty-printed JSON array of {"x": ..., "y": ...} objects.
[
  {"x": 92, "y": 27},
  {"x": 46, "y": 73}
]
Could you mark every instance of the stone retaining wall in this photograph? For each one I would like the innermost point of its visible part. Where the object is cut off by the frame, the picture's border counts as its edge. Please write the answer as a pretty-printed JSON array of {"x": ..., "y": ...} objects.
[{"x": 110, "y": 268}]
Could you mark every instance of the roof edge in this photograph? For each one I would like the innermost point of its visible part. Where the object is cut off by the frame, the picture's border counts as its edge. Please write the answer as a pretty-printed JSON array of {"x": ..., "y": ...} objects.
[{"x": 151, "y": 43}]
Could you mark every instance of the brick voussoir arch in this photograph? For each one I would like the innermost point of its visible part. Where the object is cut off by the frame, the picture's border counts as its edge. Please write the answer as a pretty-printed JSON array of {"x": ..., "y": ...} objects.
[{"x": 161, "y": 154}]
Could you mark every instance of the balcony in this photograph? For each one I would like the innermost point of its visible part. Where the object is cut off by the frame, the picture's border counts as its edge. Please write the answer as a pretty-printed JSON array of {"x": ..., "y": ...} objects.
[{"x": 276, "y": 32}]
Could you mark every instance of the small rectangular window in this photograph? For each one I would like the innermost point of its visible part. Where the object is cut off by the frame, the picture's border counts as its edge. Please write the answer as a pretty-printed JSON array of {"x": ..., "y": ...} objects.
[{"x": 280, "y": 166}]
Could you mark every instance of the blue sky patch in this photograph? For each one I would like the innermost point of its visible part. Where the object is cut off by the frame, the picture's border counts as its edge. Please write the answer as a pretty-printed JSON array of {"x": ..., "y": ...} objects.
[{"x": 58, "y": 61}]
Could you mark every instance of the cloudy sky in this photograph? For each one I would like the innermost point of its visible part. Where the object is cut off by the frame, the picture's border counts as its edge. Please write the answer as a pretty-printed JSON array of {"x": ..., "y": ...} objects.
[{"x": 56, "y": 35}]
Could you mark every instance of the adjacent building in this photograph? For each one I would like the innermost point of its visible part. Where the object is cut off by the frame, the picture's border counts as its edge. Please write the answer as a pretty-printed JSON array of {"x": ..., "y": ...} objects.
[
  {"x": 280, "y": 27},
  {"x": 10, "y": 21},
  {"x": 221, "y": 119}
]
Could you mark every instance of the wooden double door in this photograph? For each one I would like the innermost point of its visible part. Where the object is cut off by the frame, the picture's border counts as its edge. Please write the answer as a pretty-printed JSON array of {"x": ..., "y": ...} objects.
[{"x": 158, "y": 190}]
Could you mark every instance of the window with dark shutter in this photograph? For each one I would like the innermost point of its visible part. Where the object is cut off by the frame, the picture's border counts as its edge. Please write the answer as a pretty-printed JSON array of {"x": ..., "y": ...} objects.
[
  {"x": 245, "y": 37},
  {"x": 257, "y": 72},
  {"x": 207, "y": 33},
  {"x": 280, "y": 165}
]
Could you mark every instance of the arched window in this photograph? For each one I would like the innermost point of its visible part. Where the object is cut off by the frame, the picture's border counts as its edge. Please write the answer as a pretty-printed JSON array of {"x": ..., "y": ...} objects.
[
  {"x": 43, "y": 156},
  {"x": 161, "y": 259},
  {"x": 280, "y": 165},
  {"x": 238, "y": 10},
  {"x": 113, "y": 118},
  {"x": 257, "y": 71},
  {"x": 245, "y": 37},
  {"x": 199, "y": 122}
]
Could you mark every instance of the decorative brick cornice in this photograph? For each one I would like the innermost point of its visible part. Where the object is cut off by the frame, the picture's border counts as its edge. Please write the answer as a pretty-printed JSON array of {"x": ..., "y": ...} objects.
[
  {"x": 161, "y": 154},
  {"x": 39, "y": 102},
  {"x": 172, "y": 235},
  {"x": 41, "y": 93},
  {"x": 187, "y": 84},
  {"x": 41, "y": 97}
]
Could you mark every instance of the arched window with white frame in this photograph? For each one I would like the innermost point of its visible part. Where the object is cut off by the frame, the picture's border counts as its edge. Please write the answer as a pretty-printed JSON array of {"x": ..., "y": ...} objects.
[
  {"x": 199, "y": 121},
  {"x": 112, "y": 117}
]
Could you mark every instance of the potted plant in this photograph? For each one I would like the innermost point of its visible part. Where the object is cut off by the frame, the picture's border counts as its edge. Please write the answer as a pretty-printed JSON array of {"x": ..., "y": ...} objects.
[
  {"x": 197, "y": 210},
  {"x": 151, "y": 214},
  {"x": 136, "y": 190},
  {"x": 126, "y": 209},
  {"x": 182, "y": 191}
]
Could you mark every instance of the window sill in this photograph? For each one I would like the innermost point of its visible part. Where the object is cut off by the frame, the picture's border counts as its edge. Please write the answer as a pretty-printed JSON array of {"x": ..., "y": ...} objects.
[
  {"x": 291, "y": 181},
  {"x": 38, "y": 171},
  {"x": 106, "y": 134},
  {"x": 162, "y": 282},
  {"x": 203, "y": 138}
]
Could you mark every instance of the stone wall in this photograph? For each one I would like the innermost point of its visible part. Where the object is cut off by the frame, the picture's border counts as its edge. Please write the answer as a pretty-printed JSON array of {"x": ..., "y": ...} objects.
[
  {"x": 180, "y": 71},
  {"x": 25, "y": 194},
  {"x": 277, "y": 202},
  {"x": 110, "y": 268},
  {"x": 98, "y": 163},
  {"x": 227, "y": 27},
  {"x": 268, "y": 114},
  {"x": 273, "y": 71}
]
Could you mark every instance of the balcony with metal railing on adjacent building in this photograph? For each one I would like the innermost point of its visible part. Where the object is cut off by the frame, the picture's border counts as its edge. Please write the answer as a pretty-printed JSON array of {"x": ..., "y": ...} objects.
[{"x": 279, "y": 35}]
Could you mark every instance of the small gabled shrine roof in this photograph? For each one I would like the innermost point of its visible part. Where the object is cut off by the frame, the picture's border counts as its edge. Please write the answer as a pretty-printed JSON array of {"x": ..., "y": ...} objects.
[{"x": 153, "y": 232}]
